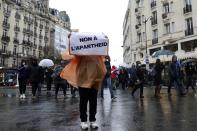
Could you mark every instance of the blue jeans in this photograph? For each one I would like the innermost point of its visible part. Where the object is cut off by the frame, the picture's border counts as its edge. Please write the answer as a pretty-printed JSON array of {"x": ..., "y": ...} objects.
[{"x": 107, "y": 83}]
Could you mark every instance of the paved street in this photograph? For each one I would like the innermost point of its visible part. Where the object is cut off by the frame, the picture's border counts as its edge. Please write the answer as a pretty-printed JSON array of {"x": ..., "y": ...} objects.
[{"x": 124, "y": 114}]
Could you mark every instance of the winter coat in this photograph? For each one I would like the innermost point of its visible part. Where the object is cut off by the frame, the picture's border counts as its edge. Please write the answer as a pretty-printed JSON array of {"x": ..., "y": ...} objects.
[
  {"x": 23, "y": 72},
  {"x": 35, "y": 75}
]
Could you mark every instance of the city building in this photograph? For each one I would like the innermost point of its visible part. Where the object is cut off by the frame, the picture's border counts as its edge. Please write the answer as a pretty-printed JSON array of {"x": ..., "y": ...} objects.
[
  {"x": 152, "y": 25},
  {"x": 25, "y": 30}
]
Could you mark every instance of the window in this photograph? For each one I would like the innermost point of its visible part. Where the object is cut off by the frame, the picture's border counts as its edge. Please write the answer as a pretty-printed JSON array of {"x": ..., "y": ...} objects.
[
  {"x": 166, "y": 8},
  {"x": 188, "y": 2},
  {"x": 5, "y": 32},
  {"x": 173, "y": 27},
  {"x": 16, "y": 35},
  {"x": 139, "y": 37},
  {"x": 144, "y": 36},
  {"x": 34, "y": 52},
  {"x": 189, "y": 24},
  {"x": 6, "y": 19},
  {"x": 15, "y": 48},
  {"x": 167, "y": 28},
  {"x": 14, "y": 62},
  {"x": 4, "y": 47},
  {"x": 154, "y": 18},
  {"x": 23, "y": 50},
  {"x": 155, "y": 34}
]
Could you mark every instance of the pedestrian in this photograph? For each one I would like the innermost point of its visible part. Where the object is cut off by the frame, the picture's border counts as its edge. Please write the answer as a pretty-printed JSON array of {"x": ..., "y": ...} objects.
[
  {"x": 139, "y": 83},
  {"x": 58, "y": 81},
  {"x": 123, "y": 77},
  {"x": 189, "y": 75},
  {"x": 48, "y": 74},
  {"x": 158, "y": 77},
  {"x": 22, "y": 78},
  {"x": 86, "y": 73},
  {"x": 114, "y": 77},
  {"x": 35, "y": 76},
  {"x": 107, "y": 80},
  {"x": 175, "y": 76}
]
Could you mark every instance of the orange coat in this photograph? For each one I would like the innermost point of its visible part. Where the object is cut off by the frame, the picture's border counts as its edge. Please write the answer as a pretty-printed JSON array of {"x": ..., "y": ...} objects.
[{"x": 84, "y": 71}]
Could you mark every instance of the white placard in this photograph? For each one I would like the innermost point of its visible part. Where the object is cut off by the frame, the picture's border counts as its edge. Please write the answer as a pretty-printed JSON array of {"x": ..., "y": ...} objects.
[{"x": 84, "y": 43}]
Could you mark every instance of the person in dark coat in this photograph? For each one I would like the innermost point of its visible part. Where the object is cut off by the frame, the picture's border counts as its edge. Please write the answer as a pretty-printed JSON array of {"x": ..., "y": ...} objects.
[
  {"x": 48, "y": 73},
  {"x": 158, "y": 78},
  {"x": 175, "y": 76},
  {"x": 107, "y": 80},
  {"x": 189, "y": 74},
  {"x": 139, "y": 79},
  {"x": 35, "y": 76},
  {"x": 22, "y": 78},
  {"x": 58, "y": 81}
]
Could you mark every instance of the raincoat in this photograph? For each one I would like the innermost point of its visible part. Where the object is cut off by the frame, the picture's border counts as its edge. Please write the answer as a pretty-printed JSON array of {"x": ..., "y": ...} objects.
[{"x": 84, "y": 71}]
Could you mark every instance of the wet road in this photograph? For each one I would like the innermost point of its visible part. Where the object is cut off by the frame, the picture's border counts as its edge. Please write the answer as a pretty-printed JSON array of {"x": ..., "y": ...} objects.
[{"x": 170, "y": 113}]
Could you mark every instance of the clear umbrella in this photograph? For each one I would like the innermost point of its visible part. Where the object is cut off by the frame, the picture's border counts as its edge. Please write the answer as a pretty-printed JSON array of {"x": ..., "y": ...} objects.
[{"x": 46, "y": 63}]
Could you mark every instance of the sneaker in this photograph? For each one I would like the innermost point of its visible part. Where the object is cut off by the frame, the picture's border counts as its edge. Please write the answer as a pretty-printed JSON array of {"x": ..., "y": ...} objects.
[
  {"x": 93, "y": 125},
  {"x": 84, "y": 125},
  {"x": 23, "y": 96}
]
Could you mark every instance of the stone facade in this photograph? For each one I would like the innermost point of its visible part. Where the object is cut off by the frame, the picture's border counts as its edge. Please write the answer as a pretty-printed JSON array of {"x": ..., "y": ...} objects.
[
  {"x": 170, "y": 24},
  {"x": 26, "y": 27}
]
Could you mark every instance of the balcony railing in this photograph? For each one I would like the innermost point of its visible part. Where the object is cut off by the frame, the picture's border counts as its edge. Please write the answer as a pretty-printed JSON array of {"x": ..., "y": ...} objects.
[
  {"x": 36, "y": 24},
  {"x": 5, "y": 38},
  {"x": 40, "y": 47},
  {"x": 154, "y": 41},
  {"x": 41, "y": 26},
  {"x": 187, "y": 9},
  {"x": 137, "y": 26},
  {"x": 164, "y": 15},
  {"x": 18, "y": 16},
  {"x": 6, "y": 25},
  {"x": 7, "y": 12},
  {"x": 29, "y": 43},
  {"x": 153, "y": 4},
  {"x": 17, "y": 29},
  {"x": 28, "y": 20},
  {"x": 189, "y": 32},
  {"x": 40, "y": 36},
  {"x": 46, "y": 38},
  {"x": 27, "y": 31},
  {"x": 16, "y": 41},
  {"x": 5, "y": 53}
]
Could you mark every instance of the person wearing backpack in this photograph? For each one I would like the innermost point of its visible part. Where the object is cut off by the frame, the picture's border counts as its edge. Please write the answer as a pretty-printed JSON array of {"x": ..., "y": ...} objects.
[{"x": 157, "y": 77}]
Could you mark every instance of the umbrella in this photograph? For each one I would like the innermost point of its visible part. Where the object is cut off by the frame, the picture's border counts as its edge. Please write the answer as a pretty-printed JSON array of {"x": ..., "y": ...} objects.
[
  {"x": 162, "y": 52},
  {"x": 189, "y": 61},
  {"x": 46, "y": 63}
]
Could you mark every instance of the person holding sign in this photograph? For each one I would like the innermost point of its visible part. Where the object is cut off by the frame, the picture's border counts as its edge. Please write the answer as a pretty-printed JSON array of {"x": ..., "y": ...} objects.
[{"x": 85, "y": 71}]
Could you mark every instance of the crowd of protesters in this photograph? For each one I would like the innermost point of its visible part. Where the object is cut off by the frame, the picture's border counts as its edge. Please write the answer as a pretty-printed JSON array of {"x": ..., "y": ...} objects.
[
  {"x": 37, "y": 76},
  {"x": 182, "y": 77}
]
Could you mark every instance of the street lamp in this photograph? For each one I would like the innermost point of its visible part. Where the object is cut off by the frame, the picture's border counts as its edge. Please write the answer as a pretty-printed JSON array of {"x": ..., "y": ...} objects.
[{"x": 146, "y": 59}]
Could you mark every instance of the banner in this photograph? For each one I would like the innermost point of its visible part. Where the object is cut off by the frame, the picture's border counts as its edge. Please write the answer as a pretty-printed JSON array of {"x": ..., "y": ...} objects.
[
  {"x": 60, "y": 40},
  {"x": 88, "y": 43}
]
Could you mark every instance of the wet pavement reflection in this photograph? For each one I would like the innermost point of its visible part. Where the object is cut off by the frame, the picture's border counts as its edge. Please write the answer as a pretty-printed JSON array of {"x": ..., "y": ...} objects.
[{"x": 171, "y": 113}]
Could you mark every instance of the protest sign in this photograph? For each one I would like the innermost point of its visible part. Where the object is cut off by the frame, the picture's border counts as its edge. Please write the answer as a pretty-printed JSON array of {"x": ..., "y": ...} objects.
[{"x": 83, "y": 43}]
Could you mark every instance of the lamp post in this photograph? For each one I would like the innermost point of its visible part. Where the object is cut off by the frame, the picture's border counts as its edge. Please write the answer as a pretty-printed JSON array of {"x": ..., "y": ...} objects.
[{"x": 146, "y": 59}]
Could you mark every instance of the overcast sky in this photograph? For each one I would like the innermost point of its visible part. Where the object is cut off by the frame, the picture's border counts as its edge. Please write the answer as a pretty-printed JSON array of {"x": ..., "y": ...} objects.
[{"x": 97, "y": 16}]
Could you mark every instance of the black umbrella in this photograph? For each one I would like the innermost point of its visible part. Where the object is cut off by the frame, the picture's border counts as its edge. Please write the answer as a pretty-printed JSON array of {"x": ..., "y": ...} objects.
[
  {"x": 162, "y": 52},
  {"x": 189, "y": 61}
]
